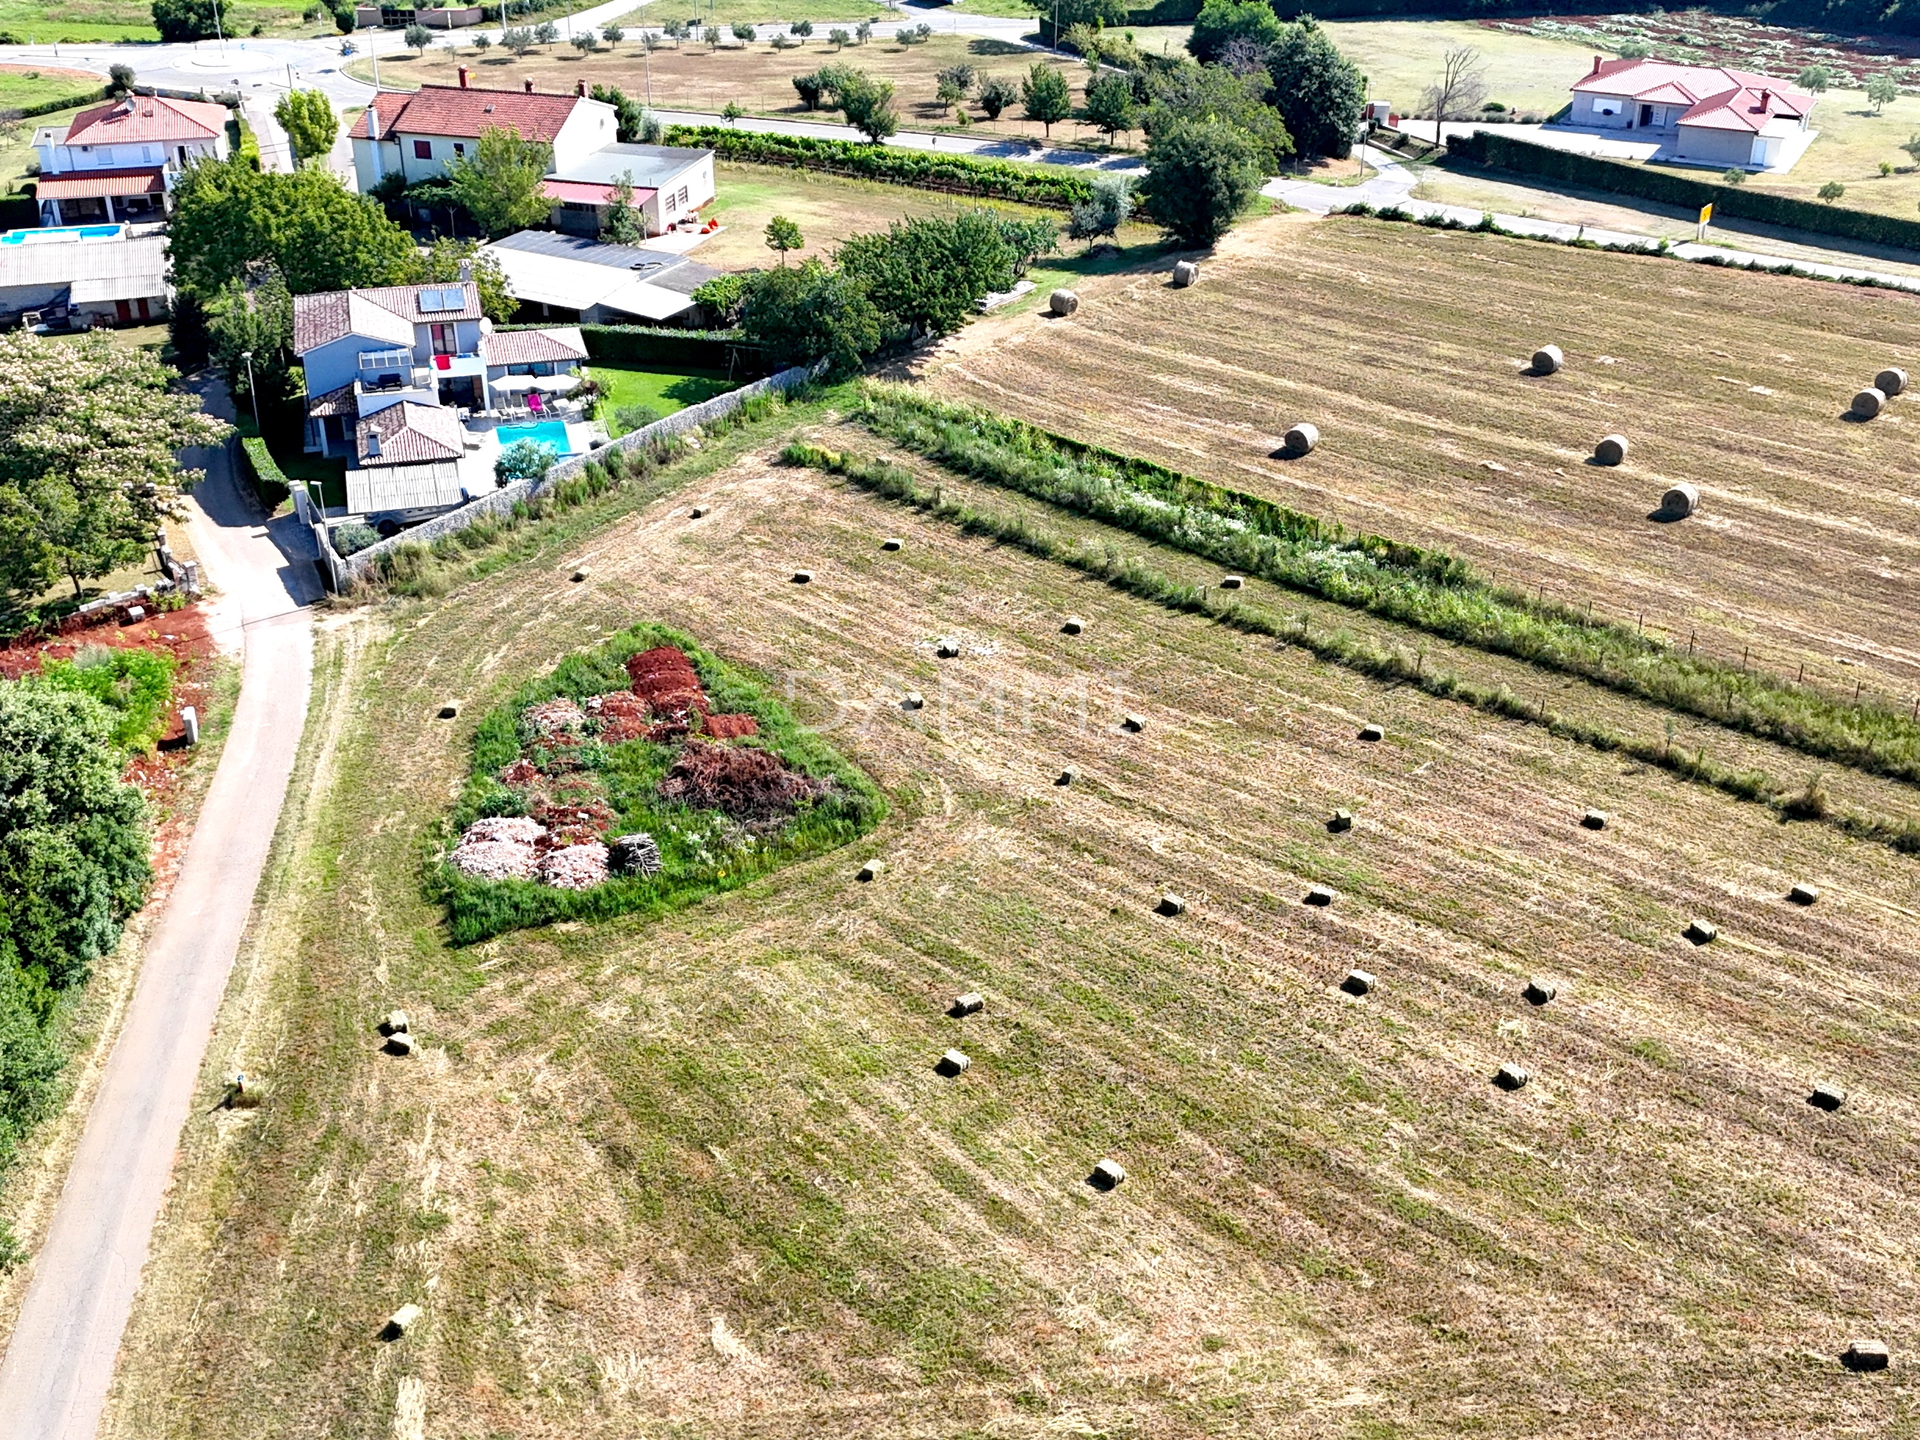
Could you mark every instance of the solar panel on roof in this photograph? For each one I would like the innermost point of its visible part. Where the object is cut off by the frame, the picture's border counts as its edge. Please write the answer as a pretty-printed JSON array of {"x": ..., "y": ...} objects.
[{"x": 435, "y": 301}]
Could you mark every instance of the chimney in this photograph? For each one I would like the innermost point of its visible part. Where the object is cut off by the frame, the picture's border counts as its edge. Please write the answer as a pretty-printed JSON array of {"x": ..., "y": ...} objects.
[
  {"x": 463, "y": 77},
  {"x": 580, "y": 88},
  {"x": 1766, "y": 101},
  {"x": 1596, "y": 64},
  {"x": 466, "y": 272},
  {"x": 529, "y": 87}
]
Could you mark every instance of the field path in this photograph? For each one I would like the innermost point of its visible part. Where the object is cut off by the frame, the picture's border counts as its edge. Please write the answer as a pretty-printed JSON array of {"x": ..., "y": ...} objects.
[{"x": 55, "y": 1377}]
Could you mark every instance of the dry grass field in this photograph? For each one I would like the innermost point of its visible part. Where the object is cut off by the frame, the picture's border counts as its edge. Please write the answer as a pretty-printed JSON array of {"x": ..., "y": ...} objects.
[
  {"x": 1407, "y": 348},
  {"x": 698, "y": 1177}
]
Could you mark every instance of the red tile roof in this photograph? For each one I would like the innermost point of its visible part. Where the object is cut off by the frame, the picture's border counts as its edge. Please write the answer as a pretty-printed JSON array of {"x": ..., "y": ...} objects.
[
  {"x": 410, "y": 434},
  {"x": 326, "y": 317},
  {"x": 333, "y": 402},
  {"x": 96, "y": 184},
  {"x": 583, "y": 192},
  {"x": 464, "y": 114},
  {"x": 147, "y": 117},
  {"x": 1718, "y": 98},
  {"x": 530, "y": 347}
]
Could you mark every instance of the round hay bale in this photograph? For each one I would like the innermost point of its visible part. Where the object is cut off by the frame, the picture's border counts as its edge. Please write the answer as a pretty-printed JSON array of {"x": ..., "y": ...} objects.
[
  {"x": 1611, "y": 450},
  {"x": 1547, "y": 360},
  {"x": 1185, "y": 273},
  {"x": 1890, "y": 381},
  {"x": 1063, "y": 302},
  {"x": 1300, "y": 439},
  {"x": 1869, "y": 402},
  {"x": 1680, "y": 500}
]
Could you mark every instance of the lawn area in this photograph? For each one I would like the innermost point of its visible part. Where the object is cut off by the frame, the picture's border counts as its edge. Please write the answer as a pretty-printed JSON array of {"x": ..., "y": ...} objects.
[
  {"x": 663, "y": 391},
  {"x": 1400, "y": 59},
  {"x": 22, "y": 86},
  {"x": 695, "y": 76},
  {"x": 823, "y": 13},
  {"x": 16, "y": 146}
]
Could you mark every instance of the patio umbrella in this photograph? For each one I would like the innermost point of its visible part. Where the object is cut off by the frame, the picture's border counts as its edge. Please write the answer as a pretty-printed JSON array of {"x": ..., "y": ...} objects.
[
  {"x": 514, "y": 382},
  {"x": 556, "y": 383}
]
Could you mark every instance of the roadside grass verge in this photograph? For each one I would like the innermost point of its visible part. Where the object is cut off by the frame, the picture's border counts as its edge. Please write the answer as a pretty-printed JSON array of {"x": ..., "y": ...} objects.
[
  {"x": 1426, "y": 589},
  {"x": 702, "y": 851}
]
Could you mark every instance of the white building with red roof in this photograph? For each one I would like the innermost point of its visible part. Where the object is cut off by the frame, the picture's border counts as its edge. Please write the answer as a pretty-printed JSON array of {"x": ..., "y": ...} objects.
[
  {"x": 418, "y": 133},
  {"x": 118, "y": 161},
  {"x": 1698, "y": 115}
]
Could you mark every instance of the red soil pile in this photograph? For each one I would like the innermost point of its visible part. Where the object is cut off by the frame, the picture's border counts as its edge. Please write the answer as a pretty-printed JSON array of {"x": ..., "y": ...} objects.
[
  {"x": 520, "y": 772},
  {"x": 728, "y": 727},
  {"x": 746, "y": 784},
  {"x": 623, "y": 716},
  {"x": 666, "y": 680}
]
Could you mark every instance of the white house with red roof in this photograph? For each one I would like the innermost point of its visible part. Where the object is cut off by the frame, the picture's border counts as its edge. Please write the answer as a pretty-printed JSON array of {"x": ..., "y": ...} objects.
[
  {"x": 118, "y": 161},
  {"x": 1698, "y": 115},
  {"x": 417, "y": 134}
]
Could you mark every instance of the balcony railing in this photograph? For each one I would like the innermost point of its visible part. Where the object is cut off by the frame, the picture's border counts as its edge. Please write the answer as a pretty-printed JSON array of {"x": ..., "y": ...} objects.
[{"x": 417, "y": 377}]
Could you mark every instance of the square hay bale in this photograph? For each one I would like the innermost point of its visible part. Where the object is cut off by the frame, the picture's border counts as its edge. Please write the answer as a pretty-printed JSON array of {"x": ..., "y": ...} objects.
[
  {"x": 803, "y": 577},
  {"x": 913, "y": 700},
  {"x": 1072, "y": 625},
  {"x": 951, "y": 1063},
  {"x": 947, "y": 648},
  {"x": 1358, "y": 982},
  {"x": 1066, "y": 776},
  {"x": 971, "y": 1003},
  {"x": 1594, "y": 819},
  {"x": 1340, "y": 821},
  {"x": 1135, "y": 723},
  {"x": 1539, "y": 992},
  {"x": 1373, "y": 733},
  {"x": 1170, "y": 904},
  {"x": 1702, "y": 932},
  {"x": 449, "y": 710},
  {"x": 400, "y": 1044},
  {"x": 1511, "y": 1076},
  {"x": 1803, "y": 894},
  {"x": 1107, "y": 1175},
  {"x": 1232, "y": 582},
  {"x": 1319, "y": 895},
  {"x": 892, "y": 542},
  {"x": 400, "y": 1322},
  {"x": 1864, "y": 1356},
  {"x": 873, "y": 870},
  {"x": 1827, "y": 1097},
  {"x": 395, "y": 1022}
]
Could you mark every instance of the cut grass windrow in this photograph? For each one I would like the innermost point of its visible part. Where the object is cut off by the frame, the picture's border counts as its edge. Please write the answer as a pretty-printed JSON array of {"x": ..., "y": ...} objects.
[
  {"x": 1424, "y": 589},
  {"x": 1133, "y": 576}
]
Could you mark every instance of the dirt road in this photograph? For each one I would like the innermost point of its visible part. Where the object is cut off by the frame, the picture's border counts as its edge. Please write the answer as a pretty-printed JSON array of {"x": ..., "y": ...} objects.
[{"x": 57, "y": 1370}]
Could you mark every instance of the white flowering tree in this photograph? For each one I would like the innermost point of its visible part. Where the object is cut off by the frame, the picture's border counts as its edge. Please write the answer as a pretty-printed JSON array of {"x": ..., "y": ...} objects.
[{"x": 88, "y": 435}]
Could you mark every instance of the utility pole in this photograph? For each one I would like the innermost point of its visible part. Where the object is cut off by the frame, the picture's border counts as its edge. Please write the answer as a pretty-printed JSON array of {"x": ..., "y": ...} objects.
[
  {"x": 252, "y": 393},
  {"x": 218, "y": 29}
]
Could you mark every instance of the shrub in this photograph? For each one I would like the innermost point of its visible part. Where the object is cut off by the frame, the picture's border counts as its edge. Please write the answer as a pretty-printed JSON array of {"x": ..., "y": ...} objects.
[
  {"x": 523, "y": 460},
  {"x": 634, "y": 417},
  {"x": 1200, "y": 175},
  {"x": 352, "y": 538},
  {"x": 135, "y": 686}
]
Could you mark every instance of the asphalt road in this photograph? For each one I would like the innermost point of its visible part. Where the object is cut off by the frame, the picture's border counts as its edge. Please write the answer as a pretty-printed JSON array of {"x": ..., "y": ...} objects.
[{"x": 54, "y": 1379}]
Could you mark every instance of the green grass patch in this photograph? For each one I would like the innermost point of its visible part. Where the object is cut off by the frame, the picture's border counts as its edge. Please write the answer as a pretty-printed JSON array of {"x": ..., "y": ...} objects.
[
  {"x": 136, "y": 686},
  {"x": 1425, "y": 589},
  {"x": 662, "y": 391},
  {"x": 702, "y": 851}
]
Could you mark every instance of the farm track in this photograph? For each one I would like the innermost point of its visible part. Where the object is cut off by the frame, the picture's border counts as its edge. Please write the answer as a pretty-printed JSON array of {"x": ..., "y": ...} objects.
[
  {"x": 697, "y": 1176},
  {"x": 1405, "y": 346}
]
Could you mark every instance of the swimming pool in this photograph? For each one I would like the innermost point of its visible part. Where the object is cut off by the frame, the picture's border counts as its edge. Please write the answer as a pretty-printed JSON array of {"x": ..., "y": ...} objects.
[
  {"x": 62, "y": 232},
  {"x": 551, "y": 433}
]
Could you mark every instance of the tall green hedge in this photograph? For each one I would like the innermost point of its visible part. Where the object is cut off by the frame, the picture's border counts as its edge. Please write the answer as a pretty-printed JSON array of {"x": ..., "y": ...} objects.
[
  {"x": 1503, "y": 152},
  {"x": 956, "y": 174},
  {"x": 62, "y": 102},
  {"x": 263, "y": 472}
]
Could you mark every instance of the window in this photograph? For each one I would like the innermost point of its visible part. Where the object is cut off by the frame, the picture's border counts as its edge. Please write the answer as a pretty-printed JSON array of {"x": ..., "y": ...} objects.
[
  {"x": 459, "y": 150},
  {"x": 423, "y": 149},
  {"x": 443, "y": 341},
  {"x": 682, "y": 197},
  {"x": 669, "y": 204}
]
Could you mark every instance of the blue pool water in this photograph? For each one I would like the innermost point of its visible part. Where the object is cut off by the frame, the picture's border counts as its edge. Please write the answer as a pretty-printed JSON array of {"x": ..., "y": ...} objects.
[
  {"x": 61, "y": 232},
  {"x": 551, "y": 433}
]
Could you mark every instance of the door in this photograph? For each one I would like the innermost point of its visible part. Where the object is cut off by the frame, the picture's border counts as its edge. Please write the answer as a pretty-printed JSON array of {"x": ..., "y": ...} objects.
[
  {"x": 123, "y": 312},
  {"x": 141, "y": 306},
  {"x": 1646, "y": 116}
]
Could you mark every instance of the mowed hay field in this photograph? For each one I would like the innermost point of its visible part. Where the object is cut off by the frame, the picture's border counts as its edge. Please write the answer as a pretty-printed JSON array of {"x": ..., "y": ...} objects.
[
  {"x": 698, "y": 1177},
  {"x": 1406, "y": 347}
]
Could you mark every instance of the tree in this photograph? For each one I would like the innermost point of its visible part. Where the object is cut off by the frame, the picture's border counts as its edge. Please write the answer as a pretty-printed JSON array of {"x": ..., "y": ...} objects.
[
  {"x": 1460, "y": 89},
  {"x": 230, "y": 219},
  {"x": 947, "y": 94},
  {"x": 73, "y": 838},
  {"x": 547, "y": 32},
  {"x": 676, "y": 31},
  {"x": 122, "y": 77},
  {"x": 731, "y": 111},
  {"x": 1200, "y": 175},
  {"x": 996, "y": 94},
  {"x": 523, "y": 460},
  {"x": 1220, "y": 21},
  {"x": 712, "y": 36},
  {"x": 868, "y": 105},
  {"x": 585, "y": 43},
  {"x": 1187, "y": 91},
  {"x": 783, "y": 235},
  {"x": 804, "y": 313},
  {"x": 1912, "y": 147},
  {"x": 519, "y": 40},
  {"x": 180, "y": 21},
  {"x": 863, "y": 32},
  {"x": 721, "y": 296},
  {"x": 1110, "y": 107},
  {"x": 612, "y": 34},
  {"x": 417, "y": 37},
  {"x": 623, "y": 225},
  {"x": 962, "y": 78},
  {"x": 1882, "y": 91},
  {"x": 307, "y": 117},
  {"x": 482, "y": 42},
  {"x": 1096, "y": 14},
  {"x": 1814, "y": 79},
  {"x": 839, "y": 38},
  {"x": 627, "y": 114},
  {"x": 929, "y": 275},
  {"x": 1831, "y": 191},
  {"x": 1317, "y": 90},
  {"x": 88, "y": 432},
  {"x": 1045, "y": 96},
  {"x": 810, "y": 88},
  {"x": 442, "y": 263},
  {"x": 1103, "y": 214},
  {"x": 744, "y": 32},
  {"x": 502, "y": 183},
  {"x": 802, "y": 28},
  {"x": 255, "y": 320}
]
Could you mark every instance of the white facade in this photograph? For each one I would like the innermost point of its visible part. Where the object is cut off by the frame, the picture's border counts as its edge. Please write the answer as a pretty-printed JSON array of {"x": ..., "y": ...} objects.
[{"x": 417, "y": 153}]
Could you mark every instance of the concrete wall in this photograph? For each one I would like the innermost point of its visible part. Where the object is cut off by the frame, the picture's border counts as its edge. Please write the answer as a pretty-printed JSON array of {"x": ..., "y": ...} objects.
[
  {"x": 341, "y": 573},
  {"x": 1714, "y": 147}
]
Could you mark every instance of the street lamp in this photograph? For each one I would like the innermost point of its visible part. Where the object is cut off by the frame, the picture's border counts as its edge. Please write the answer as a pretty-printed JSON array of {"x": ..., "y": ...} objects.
[
  {"x": 214, "y": 5},
  {"x": 247, "y": 355}
]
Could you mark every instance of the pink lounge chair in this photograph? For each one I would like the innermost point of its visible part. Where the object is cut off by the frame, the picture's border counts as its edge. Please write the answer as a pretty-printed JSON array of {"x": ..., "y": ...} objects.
[{"x": 533, "y": 402}]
